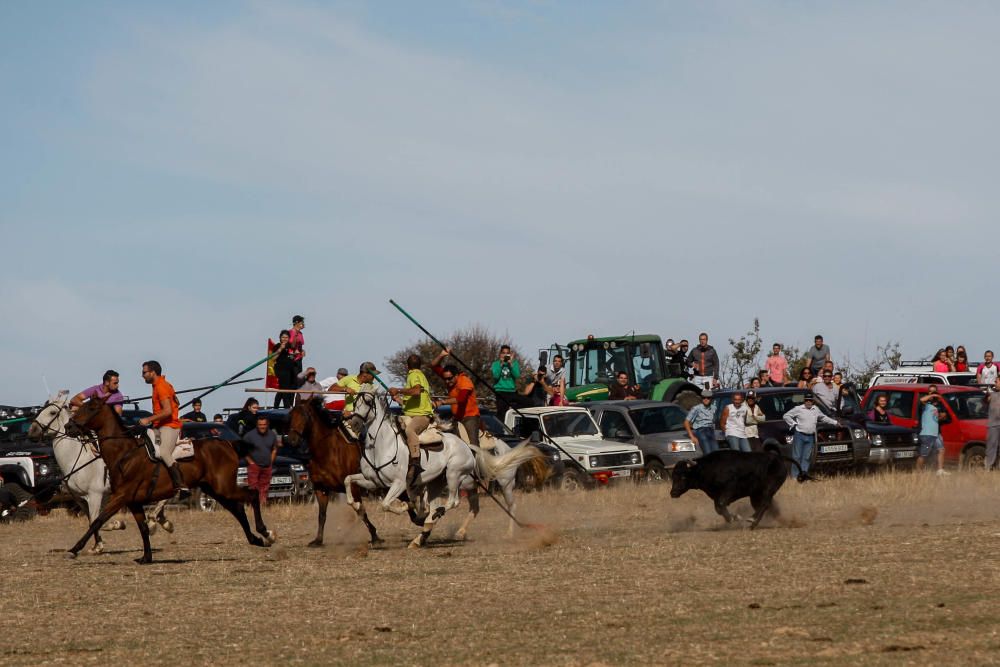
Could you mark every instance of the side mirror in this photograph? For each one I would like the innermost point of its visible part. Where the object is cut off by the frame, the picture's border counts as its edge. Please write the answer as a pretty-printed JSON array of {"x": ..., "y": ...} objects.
[
  {"x": 622, "y": 434},
  {"x": 536, "y": 436}
]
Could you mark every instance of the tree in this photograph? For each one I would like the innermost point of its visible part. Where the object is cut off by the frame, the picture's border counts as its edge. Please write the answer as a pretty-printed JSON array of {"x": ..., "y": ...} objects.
[
  {"x": 475, "y": 345},
  {"x": 796, "y": 361},
  {"x": 888, "y": 355},
  {"x": 742, "y": 358}
]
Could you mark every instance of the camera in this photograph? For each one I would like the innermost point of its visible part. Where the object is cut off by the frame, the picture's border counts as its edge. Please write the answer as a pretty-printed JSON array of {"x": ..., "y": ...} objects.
[{"x": 506, "y": 357}]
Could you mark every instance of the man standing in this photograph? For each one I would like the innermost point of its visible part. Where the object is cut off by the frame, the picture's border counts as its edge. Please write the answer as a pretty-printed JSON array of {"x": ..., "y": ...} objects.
[
  {"x": 107, "y": 391},
  {"x": 826, "y": 392},
  {"x": 505, "y": 371},
  {"x": 307, "y": 383},
  {"x": 676, "y": 354},
  {"x": 351, "y": 384},
  {"x": 700, "y": 423},
  {"x": 734, "y": 422},
  {"x": 164, "y": 419},
  {"x": 297, "y": 342},
  {"x": 461, "y": 396},
  {"x": 930, "y": 430},
  {"x": 417, "y": 407},
  {"x": 195, "y": 415},
  {"x": 993, "y": 423},
  {"x": 704, "y": 361},
  {"x": 986, "y": 374},
  {"x": 260, "y": 459},
  {"x": 804, "y": 420},
  {"x": 556, "y": 381},
  {"x": 777, "y": 366},
  {"x": 817, "y": 355}
]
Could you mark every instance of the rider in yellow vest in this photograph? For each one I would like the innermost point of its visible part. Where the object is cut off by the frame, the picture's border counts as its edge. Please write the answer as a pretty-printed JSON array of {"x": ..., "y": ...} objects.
[{"x": 417, "y": 406}]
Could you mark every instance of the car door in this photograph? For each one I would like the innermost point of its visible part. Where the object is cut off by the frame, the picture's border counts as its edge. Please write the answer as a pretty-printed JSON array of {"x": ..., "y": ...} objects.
[
  {"x": 614, "y": 426},
  {"x": 899, "y": 406}
]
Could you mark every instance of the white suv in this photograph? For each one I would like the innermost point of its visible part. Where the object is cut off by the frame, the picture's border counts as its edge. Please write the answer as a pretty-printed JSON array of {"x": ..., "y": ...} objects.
[
  {"x": 922, "y": 375},
  {"x": 576, "y": 432}
]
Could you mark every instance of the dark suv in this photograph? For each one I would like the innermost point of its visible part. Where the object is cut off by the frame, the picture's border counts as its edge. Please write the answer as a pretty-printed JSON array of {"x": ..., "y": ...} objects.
[{"x": 837, "y": 447}]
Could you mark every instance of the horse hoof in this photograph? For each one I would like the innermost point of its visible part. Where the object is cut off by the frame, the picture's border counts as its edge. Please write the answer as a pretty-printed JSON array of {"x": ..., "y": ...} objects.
[
  {"x": 415, "y": 544},
  {"x": 397, "y": 506},
  {"x": 356, "y": 507},
  {"x": 97, "y": 549},
  {"x": 270, "y": 537},
  {"x": 145, "y": 560},
  {"x": 315, "y": 543},
  {"x": 151, "y": 526},
  {"x": 168, "y": 525},
  {"x": 460, "y": 536},
  {"x": 71, "y": 555}
]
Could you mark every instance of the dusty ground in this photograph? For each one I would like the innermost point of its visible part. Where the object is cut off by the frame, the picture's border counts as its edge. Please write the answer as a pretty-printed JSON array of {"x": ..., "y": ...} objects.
[{"x": 888, "y": 569}]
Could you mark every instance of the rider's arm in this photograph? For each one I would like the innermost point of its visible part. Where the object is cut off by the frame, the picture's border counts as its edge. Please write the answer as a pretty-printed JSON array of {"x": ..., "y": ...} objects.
[
  {"x": 166, "y": 408},
  {"x": 78, "y": 400}
]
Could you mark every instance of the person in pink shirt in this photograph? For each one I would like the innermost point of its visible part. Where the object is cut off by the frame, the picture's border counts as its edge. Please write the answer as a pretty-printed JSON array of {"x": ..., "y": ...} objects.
[
  {"x": 777, "y": 366},
  {"x": 942, "y": 364},
  {"x": 296, "y": 342}
]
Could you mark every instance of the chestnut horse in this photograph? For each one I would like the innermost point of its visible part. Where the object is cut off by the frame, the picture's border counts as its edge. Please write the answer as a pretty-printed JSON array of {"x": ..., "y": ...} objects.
[
  {"x": 335, "y": 454},
  {"x": 135, "y": 480}
]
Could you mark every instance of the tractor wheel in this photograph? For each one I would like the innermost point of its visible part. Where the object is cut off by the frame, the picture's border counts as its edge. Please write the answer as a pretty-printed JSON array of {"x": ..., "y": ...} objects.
[{"x": 687, "y": 399}]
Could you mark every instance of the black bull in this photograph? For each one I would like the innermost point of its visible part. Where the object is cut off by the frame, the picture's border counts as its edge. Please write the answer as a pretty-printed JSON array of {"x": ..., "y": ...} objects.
[{"x": 727, "y": 475}]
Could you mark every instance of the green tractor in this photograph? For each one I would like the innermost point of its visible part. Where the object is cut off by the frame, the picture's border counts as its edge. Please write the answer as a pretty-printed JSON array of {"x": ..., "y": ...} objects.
[{"x": 592, "y": 364}]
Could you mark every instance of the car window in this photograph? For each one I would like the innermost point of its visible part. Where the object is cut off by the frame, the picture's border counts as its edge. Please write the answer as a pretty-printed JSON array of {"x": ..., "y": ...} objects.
[
  {"x": 658, "y": 419},
  {"x": 567, "y": 424},
  {"x": 612, "y": 422},
  {"x": 527, "y": 425},
  {"x": 900, "y": 403},
  {"x": 967, "y": 405},
  {"x": 931, "y": 379},
  {"x": 493, "y": 425},
  {"x": 774, "y": 406},
  {"x": 962, "y": 380}
]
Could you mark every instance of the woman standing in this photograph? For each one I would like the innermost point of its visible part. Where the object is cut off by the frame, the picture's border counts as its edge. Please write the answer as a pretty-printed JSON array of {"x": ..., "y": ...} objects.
[
  {"x": 942, "y": 364},
  {"x": 754, "y": 416},
  {"x": 284, "y": 370},
  {"x": 961, "y": 359},
  {"x": 805, "y": 378}
]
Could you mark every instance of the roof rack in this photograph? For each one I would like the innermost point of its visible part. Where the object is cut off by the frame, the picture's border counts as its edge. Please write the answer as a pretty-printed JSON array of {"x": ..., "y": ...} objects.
[{"x": 918, "y": 362}]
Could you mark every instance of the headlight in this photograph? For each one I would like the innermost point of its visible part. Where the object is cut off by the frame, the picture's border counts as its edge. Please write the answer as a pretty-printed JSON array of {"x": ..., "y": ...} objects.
[
  {"x": 298, "y": 467},
  {"x": 635, "y": 457},
  {"x": 789, "y": 439},
  {"x": 877, "y": 441},
  {"x": 43, "y": 470},
  {"x": 916, "y": 439},
  {"x": 555, "y": 458},
  {"x": 682, "y": 446},
  {"x": 859, "y": 434},
  {"x": 19, "y": 412},
  {"x": 593, "y": 461}
]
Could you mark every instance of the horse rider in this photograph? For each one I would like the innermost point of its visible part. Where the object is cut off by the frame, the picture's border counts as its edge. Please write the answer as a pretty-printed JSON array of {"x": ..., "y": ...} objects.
[
  {"x": 417, "y": 406},
  {"x": 107, "y": 391},
  {"x": 164, "y": 419},
  {"x": 461, "y": 396},
  {"x": 351, "y": 384}
]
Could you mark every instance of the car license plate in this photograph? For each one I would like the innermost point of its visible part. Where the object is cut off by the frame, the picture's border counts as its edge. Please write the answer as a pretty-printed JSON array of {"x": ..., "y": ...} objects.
[
  {"x": 905, "y": 455},
  {"x": 621, "y": 473},
  {"x": 830, "y": 449},
  {"x": 281, "y": 480}
]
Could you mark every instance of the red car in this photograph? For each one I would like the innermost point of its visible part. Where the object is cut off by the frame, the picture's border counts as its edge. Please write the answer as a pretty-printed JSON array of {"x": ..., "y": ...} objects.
[{"x": 963, "y": 413}]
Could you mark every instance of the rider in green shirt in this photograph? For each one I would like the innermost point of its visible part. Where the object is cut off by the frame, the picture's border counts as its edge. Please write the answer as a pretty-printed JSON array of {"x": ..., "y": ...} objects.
[{"x": 417, "y": 406}]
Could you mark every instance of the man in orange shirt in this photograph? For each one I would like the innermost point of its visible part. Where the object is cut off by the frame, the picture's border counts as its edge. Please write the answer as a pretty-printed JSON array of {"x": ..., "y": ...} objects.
[
  {"x": 461, "y": 396},
  {"x": 164, "y": 419}
]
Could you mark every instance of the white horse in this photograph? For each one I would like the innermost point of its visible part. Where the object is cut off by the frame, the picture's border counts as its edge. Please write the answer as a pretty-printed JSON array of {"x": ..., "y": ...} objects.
[
  {"x": 506, "y": 480},
  {"x": 89, "y": 483},
  {"x": 385, "y": 459}
]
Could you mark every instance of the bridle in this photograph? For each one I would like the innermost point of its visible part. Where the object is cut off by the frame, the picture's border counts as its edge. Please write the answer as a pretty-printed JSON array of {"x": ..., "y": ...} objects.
[{"x": 368, "y": 398}]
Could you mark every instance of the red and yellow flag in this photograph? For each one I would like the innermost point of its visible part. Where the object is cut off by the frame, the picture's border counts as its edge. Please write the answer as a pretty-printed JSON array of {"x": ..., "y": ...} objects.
[{"x": 272, "y": 378}]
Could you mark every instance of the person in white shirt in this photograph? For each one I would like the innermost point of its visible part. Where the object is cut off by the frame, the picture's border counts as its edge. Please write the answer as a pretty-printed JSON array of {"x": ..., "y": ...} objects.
[
  {"x": 804, "y": 419},
  {"x": 987, "y": 374},
  {"x": 734, "y": 421}
]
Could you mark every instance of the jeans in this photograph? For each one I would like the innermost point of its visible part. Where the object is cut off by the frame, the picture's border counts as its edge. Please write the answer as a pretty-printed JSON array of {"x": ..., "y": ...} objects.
[
  {"x": 992, "y": 445},
  {"x": 706, "y": 438},
  {"x": 802, "y": 450},
  {"x": 738, "y": 444}
]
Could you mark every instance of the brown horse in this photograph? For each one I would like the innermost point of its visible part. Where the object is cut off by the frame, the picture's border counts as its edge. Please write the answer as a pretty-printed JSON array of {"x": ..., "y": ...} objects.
[
  {"x": 135, "y": 480},
  {"x": 335, "y": 454}
]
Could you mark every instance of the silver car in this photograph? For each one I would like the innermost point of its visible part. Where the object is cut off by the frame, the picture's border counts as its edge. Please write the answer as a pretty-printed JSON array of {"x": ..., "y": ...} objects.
[{"x": 655, "y": 427}]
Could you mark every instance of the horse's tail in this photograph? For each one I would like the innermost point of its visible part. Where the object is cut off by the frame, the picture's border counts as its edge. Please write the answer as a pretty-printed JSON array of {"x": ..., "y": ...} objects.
[{"x": 490, "y": 467}]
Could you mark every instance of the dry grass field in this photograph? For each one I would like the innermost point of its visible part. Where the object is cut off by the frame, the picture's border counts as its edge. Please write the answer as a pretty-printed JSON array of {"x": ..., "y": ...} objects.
[{"x": 890, "y": 569}]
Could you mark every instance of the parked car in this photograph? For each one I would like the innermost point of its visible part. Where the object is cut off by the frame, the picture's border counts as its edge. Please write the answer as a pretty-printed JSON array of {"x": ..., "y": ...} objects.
[
  {"x": 656, "y": 427},
  {"x": 963, "y": 415},
  {"x": 526, "y": 480},
  {"x": 909, "y": 373},
  {"x": 843, "y": 446},
  {"x": 594, "y": 459},
  {"x": 25, "y": 466}
]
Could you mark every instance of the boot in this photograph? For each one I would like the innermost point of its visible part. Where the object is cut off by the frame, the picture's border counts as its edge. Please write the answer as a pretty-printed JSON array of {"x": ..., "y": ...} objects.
[
  {"x": 413, "y": 492},
  {"x": 177, "y": 478}
]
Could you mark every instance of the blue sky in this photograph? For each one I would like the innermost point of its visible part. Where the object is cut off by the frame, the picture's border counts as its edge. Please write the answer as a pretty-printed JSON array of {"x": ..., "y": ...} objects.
[{"x": 178, "y": 179}]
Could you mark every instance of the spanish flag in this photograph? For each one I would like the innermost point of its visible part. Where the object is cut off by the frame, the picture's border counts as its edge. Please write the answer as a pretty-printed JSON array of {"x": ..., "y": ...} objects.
[{"x": 272, "y": 379}]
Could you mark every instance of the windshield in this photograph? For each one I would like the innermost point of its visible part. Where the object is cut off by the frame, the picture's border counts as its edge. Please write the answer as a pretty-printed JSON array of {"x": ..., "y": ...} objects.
[
  {"x": 962, "y": 380},
  {"x": 567, "y": 424},
  {"x": 599, "y": 364},
  {"x": 775, "y": 406},
  {"x": 968, "y": 405},
  {"x": 659, "y": 419}
]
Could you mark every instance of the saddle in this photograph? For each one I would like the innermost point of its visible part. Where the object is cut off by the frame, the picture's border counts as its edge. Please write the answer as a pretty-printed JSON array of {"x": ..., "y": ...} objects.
[
  {"x": 183, "y": 450},
  {"x": 430, "y": 439}
]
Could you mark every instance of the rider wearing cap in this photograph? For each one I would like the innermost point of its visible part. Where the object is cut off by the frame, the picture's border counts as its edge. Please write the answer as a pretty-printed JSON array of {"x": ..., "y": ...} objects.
[
  {"x": 417, "y": 406},
  {"x": 107, "y": 391},
  {"x": 351, "y": 384},
  {"x": 164, "y": 419}
]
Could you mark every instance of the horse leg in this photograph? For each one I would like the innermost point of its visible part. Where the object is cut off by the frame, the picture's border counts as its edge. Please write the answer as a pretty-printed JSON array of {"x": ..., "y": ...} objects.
[
  {"x": 473, "y": 513},
  {"x": 139, "y": 514},
  {"x": 94, "y": 501},
  {"x": 270, "y": 537},
  {"x": 322, "y": 500},
  {"x": 508, "y": 494},
  {"x": 114, "y": 504},
  {"x": 236, "y": 508},
  {"x": 160, "y": 516}
]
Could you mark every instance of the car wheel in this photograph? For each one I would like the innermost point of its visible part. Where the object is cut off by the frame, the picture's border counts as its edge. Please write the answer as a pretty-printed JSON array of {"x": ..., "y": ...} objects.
[
  {"x": 974, "y": 458},
  {"x": 202, "y": 501},
  {"x": 20, "y": 494},
  {"x": 571, "y": 481},
  {"x": 655, "y": 472}
]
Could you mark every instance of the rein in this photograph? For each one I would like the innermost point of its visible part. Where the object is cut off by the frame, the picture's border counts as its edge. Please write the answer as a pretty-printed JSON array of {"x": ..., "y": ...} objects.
[{"x": 369, "y": 397}]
